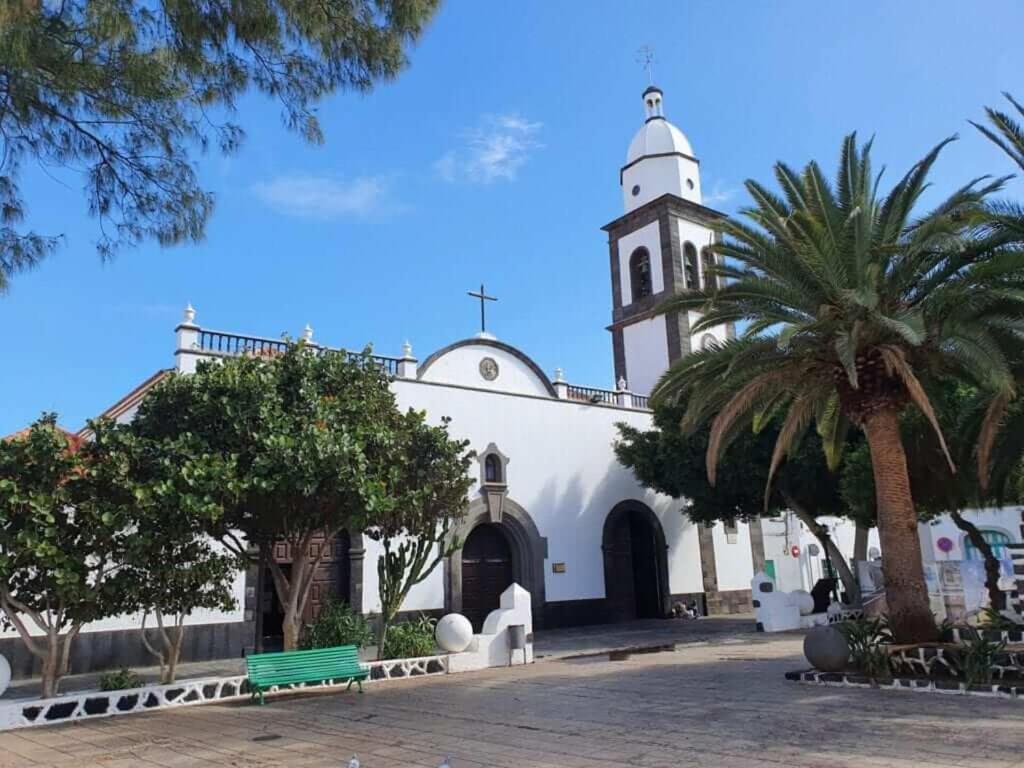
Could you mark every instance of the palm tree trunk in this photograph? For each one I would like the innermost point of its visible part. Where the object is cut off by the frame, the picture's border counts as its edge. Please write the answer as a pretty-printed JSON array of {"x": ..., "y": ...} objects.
[
  {"x": 996, "y": 596},
  {"x": 906, "y": 593}
]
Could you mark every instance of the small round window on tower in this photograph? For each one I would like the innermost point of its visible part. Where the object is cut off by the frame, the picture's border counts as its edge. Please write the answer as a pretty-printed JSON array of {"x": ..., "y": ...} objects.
[
  {"x": 636, "y": 190},
  {"x": 689, "y": 183}
]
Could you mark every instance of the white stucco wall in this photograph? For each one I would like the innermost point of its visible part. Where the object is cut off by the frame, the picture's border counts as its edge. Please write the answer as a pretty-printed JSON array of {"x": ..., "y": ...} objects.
[
  {"x": 658, "y": 175},
  {"x": 803, "y": 571},
  {"x": 645, "y": 343},
  {"x": 1006, "y": 520},
  {"x": 462, "y": 366},
  {"x": 563, "y": 472},
  {"x": 733, "y": 560},
  {"x": 134, "y": 620}
]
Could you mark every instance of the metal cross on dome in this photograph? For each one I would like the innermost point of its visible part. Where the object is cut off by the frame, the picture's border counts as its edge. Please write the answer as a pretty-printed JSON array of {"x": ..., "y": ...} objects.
[
  {"x": 645, "y": 58},
  {"x": 483, "y": 299}
]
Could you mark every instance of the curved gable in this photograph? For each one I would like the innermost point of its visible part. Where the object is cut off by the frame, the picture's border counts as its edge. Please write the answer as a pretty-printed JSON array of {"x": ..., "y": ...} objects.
[{"x": 460, "y": 363}]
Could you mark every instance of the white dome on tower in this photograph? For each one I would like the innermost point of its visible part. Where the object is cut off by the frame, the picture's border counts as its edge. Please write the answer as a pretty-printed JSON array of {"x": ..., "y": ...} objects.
[
  {"x": 657, "y": 136},
  {"x": 660, "y": 159}
]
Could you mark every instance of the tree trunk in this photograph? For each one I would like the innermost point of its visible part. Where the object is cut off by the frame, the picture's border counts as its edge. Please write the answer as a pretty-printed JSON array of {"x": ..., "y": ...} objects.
[
  {"x": 906, "y": 593},
  {"x": 51, "y": 666},
  {"x": 996, "y": 596},
  {"x": 860, "y": 543},
  {"x": 176, "y": 637},
  {"x": 846, "y": 576}
]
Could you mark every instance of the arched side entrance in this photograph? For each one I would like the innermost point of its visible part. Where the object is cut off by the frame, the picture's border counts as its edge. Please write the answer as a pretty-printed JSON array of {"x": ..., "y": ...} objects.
[
  {"x": 635, "y": 563},
  {"x": 527, "y": 551}
]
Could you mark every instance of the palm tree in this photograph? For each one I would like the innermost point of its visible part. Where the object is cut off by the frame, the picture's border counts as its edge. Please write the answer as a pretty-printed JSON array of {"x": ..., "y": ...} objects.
[
  {"x": 1005, "y": 131},
  {"x": 1001, "y": 443},
  {"x": 852, "y": 302}
]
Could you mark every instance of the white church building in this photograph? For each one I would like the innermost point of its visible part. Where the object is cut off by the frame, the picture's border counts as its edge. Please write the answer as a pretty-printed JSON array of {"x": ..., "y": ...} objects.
[{"x": 551, "y": 507}]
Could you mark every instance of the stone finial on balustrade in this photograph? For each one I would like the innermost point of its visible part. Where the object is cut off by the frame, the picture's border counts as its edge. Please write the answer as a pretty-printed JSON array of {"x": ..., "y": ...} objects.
[
  {"x": 186, "y": 341},
  {"x": 407, "y": 364},
  {"x": 561, "y": 385},
  {"x": 623, "y": 397},
  {"x": 307, "y": 333}
]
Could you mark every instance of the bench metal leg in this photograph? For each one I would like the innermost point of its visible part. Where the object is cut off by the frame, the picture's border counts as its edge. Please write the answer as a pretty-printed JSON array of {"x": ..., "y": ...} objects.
[{"x": 349, "y": 686}]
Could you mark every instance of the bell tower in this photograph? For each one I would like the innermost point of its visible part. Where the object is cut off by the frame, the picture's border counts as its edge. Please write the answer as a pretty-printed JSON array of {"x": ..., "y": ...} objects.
[{"x": 658, "y": 248}]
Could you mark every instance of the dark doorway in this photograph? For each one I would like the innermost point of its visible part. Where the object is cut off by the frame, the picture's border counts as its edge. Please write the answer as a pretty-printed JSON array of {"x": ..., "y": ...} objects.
[
  {"x": 635, "y": 567},
  {"x": 332, "y": 576},
  {"x": 486, "y": 572}
]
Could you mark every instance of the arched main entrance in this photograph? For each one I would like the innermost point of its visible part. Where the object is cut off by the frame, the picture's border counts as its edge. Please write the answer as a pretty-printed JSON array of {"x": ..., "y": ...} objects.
[
  {"x": 635, "y": 563},
  {"x": 487, "y": 571},
  {"x": 526, "y": 552}
]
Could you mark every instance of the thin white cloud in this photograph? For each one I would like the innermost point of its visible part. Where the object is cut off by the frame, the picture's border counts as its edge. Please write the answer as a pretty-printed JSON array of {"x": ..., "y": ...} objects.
[
  {"x": 494, "y": 150},
  {"x": 719, "y": 194},
  {"x": 323, "y": 197}
]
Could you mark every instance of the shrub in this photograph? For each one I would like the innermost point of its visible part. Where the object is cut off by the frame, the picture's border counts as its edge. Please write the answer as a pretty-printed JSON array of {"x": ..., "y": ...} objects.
[
  {"x": 977, "y": 656},
  {"x": 337, "y": 624},
  {"x": 993, "y": 619},
  {"x": 867, "y": 639},
  {"x": 120, "y": 680},
  {"x": 410, "y": 639}
]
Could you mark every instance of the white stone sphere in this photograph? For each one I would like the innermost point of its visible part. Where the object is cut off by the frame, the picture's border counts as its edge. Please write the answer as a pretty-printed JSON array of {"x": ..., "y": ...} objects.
[
  {"x": 802, "y": 599},
  {"x": 454, "y": 633},
  {"x": 5, "y": 674}
]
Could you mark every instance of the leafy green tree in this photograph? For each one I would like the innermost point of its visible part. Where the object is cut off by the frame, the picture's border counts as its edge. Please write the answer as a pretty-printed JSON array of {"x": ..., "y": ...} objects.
[
  {"x": 428, "y": 477},
  {"x": 129, "y": 93},
  {"x": 169, "y": 566},
  {"x": 62, "y": 543},
  {"x": 851, "y": 298},
  {"x": 289, "y": 449},
  {"x": 673, "y": 462}
]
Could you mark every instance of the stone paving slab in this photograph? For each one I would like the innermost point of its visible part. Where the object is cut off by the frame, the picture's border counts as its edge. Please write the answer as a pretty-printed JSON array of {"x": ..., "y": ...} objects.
[
  {"x": 719, "y": 704},
  {"x": 551, "y": 643}
]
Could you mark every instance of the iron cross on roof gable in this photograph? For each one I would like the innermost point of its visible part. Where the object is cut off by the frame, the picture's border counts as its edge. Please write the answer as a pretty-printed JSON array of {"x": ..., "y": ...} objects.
[{"x": 483, "y": 299}]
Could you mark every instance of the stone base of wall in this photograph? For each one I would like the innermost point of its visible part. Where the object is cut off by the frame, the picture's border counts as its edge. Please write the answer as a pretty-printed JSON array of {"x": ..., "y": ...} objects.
[
  {"x": 725, "y": 602},
  {"x": 573, "y": 613},
  {"x": 113, "y": 649}
]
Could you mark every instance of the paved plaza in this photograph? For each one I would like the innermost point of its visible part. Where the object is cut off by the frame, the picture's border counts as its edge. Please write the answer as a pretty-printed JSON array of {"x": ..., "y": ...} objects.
[{"x": 720, "y": 703}]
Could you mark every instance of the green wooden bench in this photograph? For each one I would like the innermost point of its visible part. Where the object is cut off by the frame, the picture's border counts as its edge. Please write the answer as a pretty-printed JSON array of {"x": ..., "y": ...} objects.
[{"x": 339, "y": 663}]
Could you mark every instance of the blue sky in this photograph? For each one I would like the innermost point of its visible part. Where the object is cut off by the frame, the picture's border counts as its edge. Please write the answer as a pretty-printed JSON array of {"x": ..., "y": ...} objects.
[{"x": 495, "y": 158}]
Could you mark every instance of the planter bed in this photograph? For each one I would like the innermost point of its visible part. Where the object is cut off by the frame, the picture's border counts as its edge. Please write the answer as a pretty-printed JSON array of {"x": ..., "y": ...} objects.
[
  {"x": 1002, "y": 689},
  {"x": 926, "y": 660},
  {"x": 81, "y": 705}
]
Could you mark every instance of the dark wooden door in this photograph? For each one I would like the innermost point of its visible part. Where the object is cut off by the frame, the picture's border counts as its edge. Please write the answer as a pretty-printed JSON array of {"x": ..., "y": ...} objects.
[
  {"x": 619, "y": 562},
  {"x": 486, "y": 572},
  {"x": 645, "y": 568},
  {"x": 633, "y": 588},
  {"x": 332, "y": 576}
]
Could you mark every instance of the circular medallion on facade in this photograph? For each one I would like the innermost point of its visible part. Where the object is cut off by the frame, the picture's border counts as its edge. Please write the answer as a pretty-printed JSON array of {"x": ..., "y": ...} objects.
[
  {"x": 636, "y": 190},
  {"x": 489, "y": 368}
]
